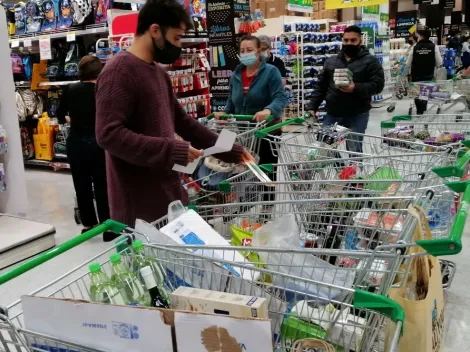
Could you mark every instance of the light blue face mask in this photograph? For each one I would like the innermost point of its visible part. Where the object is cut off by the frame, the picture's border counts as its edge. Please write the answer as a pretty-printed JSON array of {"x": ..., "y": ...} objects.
[
  {"x": 264, "y": 55},
  {"x": 248, "y": 59}
]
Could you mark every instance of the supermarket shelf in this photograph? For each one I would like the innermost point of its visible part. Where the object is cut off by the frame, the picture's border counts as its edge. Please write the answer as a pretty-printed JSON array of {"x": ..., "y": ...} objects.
[
  {"x": 131, "y": 1},
  {"x": 56, "y": 165},
  {"x": 194, "y": 40},
  {"x": 96, "y": 29},
  {"x": 58, "y": 83}
]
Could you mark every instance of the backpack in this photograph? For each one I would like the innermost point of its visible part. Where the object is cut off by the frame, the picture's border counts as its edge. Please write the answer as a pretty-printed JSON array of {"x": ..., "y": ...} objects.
[
  {"x": 50, "y": 13},
  {"x": 33, "y": 17},
  {"x": 82, "y": 12},
  {"x": 20, "y": 18}
]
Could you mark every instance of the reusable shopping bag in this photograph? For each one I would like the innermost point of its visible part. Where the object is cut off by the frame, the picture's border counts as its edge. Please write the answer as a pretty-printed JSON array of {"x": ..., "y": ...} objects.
[
  {"x": 44, "y": 140},
  {"x": 424, "y": 317}
]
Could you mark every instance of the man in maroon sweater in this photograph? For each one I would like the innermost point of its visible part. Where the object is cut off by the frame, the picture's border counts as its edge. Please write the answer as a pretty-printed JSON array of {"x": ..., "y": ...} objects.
[{"x": 137, "y": 116}]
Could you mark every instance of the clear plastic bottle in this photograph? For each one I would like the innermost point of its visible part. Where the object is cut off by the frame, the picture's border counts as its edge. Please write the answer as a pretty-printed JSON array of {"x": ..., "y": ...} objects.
[
  {"x": 128, "y": 284},
  {"x": 140, "y": 261},
  {"x": 101, "y": 288}
]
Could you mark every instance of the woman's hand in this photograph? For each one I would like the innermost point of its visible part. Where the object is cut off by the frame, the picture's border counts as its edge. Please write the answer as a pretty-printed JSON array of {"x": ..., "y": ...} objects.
[
  {"x": 247, "y": 158},
  {"x": 218, "y": 114},
  {"x": 194, "y": 154},
  {"x": 262, "y": 115}
]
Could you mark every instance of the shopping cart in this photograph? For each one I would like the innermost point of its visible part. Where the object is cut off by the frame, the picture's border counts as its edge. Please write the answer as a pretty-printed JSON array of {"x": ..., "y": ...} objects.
[
  {"x": 371, "y": 314},
  {"x": 431, "y": 129},
  {"x": 400, "y": 79},
  {"x": 315, "y": 142},
  {"x": 201, "y": 186},
  {"x": 462, "y": 87},
  {"x": 438, "y": 93}
]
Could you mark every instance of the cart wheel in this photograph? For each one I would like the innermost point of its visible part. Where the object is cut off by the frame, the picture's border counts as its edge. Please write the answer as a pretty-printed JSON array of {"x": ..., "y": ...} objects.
[
  {"x": 76, "y": 216},
  {"x": 399, "y": 96},
  {"x": 405, "y": 92},
  {"x": 438, "y": 111},
  {"x": 391, "y": 108}
]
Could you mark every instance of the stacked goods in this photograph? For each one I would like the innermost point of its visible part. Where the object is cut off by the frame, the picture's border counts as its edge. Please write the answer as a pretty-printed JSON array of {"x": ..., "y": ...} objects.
[{"x": 342, "y": 77}]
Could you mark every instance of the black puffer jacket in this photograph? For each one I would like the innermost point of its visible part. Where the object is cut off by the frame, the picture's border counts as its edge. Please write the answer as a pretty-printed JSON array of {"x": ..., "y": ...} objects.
[{"x": 368, "y": 77}]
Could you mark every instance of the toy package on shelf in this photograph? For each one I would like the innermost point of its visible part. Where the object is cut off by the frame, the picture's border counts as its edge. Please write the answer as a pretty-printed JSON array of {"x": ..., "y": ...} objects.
[{"x": 33, "y": 16}]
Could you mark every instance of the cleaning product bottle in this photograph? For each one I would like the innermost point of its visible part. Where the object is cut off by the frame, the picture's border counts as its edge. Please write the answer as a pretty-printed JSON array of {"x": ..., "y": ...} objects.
[
  {"x": 127, "y": 283},
  {"x": 101, "y": 288},
  {"x": 140, "y": 260}
]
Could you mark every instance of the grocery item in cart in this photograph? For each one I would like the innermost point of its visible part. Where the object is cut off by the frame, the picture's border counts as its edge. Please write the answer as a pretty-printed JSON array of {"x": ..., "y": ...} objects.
[
  {"x": 158, "y": 298},
  {"x": 127, "y": 283},
  {"x": 102, "y": 289}
]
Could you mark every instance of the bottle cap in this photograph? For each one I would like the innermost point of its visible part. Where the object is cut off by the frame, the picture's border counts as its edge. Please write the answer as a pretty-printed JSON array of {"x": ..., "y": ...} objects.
[
  {"x": 137, "y": 244},
  {"x": 115, "y": 258},
  {"x": 94, "y": 267}
]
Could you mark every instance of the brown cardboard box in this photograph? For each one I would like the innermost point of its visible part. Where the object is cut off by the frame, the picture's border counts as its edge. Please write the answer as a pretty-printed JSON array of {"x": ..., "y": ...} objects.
[
  {"x": 275, "y": 8},
  {"x": 315, "y": 6},
  {"x": 316, "y": 15},
  {"x": 321, "y": 5}
]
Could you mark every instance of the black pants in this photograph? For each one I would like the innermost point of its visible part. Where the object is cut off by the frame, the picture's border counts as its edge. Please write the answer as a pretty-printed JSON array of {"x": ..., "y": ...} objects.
[
  {"x": 88, "y": 166},
  {"x": 421, "y": 106}
]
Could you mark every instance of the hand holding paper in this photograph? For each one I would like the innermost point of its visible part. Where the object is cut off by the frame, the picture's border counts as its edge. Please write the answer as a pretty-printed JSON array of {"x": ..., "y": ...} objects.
[{"x": 223, "y": 144}]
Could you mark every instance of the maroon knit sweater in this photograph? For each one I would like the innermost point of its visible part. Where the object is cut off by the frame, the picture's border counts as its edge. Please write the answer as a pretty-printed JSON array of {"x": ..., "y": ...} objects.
[{"x": 137, "y": 116}]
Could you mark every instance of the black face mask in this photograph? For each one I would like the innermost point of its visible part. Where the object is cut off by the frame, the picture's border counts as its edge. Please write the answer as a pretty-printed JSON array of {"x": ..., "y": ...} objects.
[
  {"x": 351, "y": 50},
  {"x": 169, "y": 54}
]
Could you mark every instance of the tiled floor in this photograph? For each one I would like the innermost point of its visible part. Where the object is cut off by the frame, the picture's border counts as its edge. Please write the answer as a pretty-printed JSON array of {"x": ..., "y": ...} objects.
[{"x": 51, "y": 198}]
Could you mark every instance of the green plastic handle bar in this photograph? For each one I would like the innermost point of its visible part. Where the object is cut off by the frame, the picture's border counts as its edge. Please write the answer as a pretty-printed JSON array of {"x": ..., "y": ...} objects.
[
  {"x": 388, "y": 124},
  {"x": 108, "y": 225},
  {"x": 381, "y": 304},
  {"x": 263, "y": 133},
  {"x": 453, "y": 244},
  {"x": 239, "y": 117},
  {"x": 402, "y": 118},
  {"x": 456, "y": 170}
]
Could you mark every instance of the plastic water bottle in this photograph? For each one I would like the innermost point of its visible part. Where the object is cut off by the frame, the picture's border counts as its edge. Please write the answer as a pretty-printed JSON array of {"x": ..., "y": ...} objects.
[
  {"x": 140, "y": 261},
  {"x": 101, "y": 288},
  {"x": 127, "y": 283}
]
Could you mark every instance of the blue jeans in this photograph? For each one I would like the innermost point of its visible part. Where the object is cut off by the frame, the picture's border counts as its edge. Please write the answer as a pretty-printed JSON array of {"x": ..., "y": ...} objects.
[{"x": 356, "y": 124}]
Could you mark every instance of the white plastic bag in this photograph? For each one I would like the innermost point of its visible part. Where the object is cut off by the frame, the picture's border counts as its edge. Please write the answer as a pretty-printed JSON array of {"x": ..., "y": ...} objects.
[{"x": 283, "y": 233}]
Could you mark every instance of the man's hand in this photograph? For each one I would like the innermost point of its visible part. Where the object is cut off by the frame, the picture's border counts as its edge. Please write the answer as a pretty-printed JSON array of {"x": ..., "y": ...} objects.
[
  {"x": 217, "y": 115},
  {"x": 247, "y": 157},
  {"x": 313, "y": 114},
  {"x": 193, "y": 154},
  {"x": 348, "y": 89},
  {"x": 262, "y": 115}
]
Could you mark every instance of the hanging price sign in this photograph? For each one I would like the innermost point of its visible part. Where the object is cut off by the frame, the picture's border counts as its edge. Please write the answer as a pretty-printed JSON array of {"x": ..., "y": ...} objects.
[
  {"x": 27, "y": 43},
  {"x": 45, "y": 48},
  {"x": 70, "y": 36},
  {"x": 344, "y": 4}
]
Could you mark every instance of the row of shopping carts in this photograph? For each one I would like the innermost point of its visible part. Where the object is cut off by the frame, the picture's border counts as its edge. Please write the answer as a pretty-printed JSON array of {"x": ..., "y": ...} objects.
[{"x": 353, "y": 199}]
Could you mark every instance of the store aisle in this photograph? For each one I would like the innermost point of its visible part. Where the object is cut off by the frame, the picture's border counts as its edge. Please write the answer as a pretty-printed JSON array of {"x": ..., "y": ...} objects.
[{"x": 51, "y": 197}]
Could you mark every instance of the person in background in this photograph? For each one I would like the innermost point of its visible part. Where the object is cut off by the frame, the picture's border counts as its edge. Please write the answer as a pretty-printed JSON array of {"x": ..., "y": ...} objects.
[
  {"x": 256, "y": 89},
  {"x": 412, "y": 40},
  {"x": 138, "y": 116},
  {"x": 349, "y": 106},
  {"x": 86, "y": 158},
  {"x": 423, "y": 60},
  {"x": 454, "y": 42},
  {"x": 465, "y": 54},
  {"x": 270, "y": 58}
]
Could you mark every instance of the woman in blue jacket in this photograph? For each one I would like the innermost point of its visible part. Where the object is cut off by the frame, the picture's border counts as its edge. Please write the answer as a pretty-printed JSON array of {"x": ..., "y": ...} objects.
[{"x": 256, "y": 89}]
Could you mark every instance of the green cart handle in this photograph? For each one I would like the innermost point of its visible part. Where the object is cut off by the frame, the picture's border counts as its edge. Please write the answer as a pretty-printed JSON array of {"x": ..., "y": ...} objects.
[
  {"x": 453, "y": 244},
  {"x": 456, "y": 78},
  {"x": 108, "y": 225},
  {"x": 456, "y": 170},
  {"x": 239, "y": 117},
  {"x": 381, "y": 304},
  {"x": 402, "y": 118},
  {"x": 263, "y": 133}
]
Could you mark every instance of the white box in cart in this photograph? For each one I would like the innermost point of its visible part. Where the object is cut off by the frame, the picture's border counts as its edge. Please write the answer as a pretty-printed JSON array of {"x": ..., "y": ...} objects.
[
  {"x": 203, "y": 333},
  {"x": 101, "y": 326},
  {"x": 215, "y": 302},
  {"x": 189, "y": 228}
]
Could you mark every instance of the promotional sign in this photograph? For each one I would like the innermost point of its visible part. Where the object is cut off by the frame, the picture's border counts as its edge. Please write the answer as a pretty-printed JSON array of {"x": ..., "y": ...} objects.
[
  {"x": 241, "y": 8},
  {"x": 447, "y": 4},
  {"x": 304, "y": 6},
  {"x": 223, "y": 50},
  {"x": 343, "y": 4},
  {"x": 368, "y": 37},
  {"x": 404, "y": 22}
]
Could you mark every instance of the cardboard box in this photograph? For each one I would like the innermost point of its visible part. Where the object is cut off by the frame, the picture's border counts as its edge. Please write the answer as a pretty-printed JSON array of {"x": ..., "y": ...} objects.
[
  {"x": 315, "y": 6},
  {"x": 275, "y": 8},
  {"x": 316, "y": 15},
  {"x": 138, "y": 329},
  {"x": 321, "y": 5},
  {"x": 215, "y": 302},
  {"x": 203, "y": 333}
]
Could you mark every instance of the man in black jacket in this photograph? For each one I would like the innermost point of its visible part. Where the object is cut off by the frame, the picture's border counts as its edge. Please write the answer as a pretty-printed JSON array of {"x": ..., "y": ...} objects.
[
  {"x": 349, "y": 106},
  {"x": 423, "y": 60}
]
